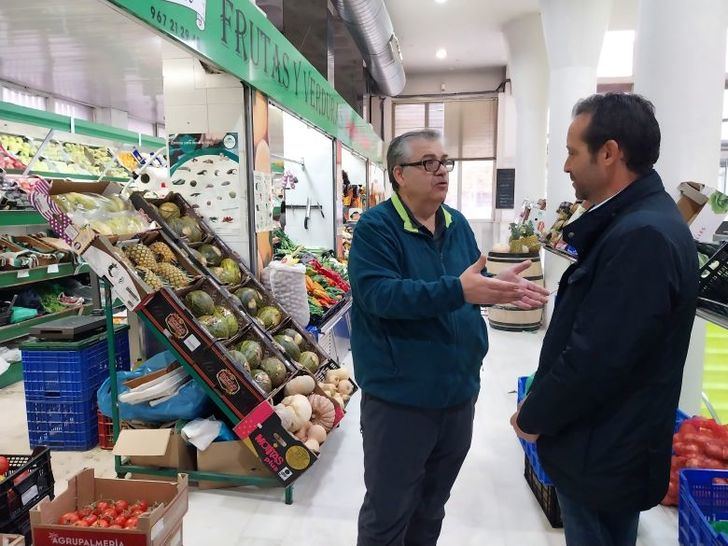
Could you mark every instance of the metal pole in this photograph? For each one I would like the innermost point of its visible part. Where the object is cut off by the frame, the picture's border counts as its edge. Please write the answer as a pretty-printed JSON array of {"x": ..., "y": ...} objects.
[{"x": 111, "y": 343}]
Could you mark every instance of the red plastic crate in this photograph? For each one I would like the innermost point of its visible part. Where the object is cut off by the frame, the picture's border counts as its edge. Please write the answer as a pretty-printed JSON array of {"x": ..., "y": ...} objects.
[{"x": 106, "y": 432}]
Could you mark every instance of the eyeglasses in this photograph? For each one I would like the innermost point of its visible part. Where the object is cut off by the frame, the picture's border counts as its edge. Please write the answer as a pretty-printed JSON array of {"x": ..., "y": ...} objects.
[{"x": 432, "y": 165}]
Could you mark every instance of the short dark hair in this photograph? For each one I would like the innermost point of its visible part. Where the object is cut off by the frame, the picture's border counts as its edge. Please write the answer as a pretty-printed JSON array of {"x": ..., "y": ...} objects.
[
  {"x": 398, "y": 150},
  {"x": 627, "y": 118}
]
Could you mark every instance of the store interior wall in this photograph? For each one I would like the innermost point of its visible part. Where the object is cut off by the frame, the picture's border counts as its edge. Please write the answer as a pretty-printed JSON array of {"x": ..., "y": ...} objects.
[
  {"x": 355, "y": 167},
  {"x": 486, "y": 79},
  {"x": 200, "y": 102},
  {"x": 315, "y": 182}
]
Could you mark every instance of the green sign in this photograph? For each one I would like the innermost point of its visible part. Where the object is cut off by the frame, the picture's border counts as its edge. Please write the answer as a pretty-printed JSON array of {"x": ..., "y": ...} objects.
[{"x": 237, "y": 37}]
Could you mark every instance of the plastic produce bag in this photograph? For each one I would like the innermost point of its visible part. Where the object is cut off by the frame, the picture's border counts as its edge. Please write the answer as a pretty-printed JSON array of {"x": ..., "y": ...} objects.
[
  {"x": 287, "y": 283},
  {"x": 189, "y": 403},
  {"x": 19, "y": 314},
  {"x": 201, "y": 432}
]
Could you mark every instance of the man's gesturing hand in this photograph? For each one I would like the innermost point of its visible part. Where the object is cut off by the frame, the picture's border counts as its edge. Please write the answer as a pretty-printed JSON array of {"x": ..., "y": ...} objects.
[
  {"x": 534, "y": 296},
  {"x": 481, "y": 290}
]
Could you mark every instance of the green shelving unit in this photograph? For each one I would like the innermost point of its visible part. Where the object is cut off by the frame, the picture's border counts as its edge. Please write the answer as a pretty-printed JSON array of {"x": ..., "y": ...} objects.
[
  {"x": 11, "y": 218},
  {"x": 21, "y": 329},
  {"x": 14, "y": 374},
  {"x": 19, "y": 277}
]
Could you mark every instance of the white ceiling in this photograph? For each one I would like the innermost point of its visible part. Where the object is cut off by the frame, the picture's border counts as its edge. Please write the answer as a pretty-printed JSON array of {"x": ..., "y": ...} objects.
[
  {"x": 82, "y": 50},
  {"x": 470, "y": 30}
]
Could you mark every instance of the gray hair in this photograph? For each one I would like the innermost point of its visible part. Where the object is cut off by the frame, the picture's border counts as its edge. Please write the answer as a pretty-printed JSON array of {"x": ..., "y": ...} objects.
[{"x": 399, "y": 149}]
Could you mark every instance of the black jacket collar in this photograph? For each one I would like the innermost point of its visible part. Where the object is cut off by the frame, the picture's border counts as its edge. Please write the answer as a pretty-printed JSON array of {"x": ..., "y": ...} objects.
[{"x": 584, "y": 232}]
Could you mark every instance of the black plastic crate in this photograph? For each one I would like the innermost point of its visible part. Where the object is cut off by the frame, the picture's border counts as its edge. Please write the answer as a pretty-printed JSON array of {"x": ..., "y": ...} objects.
[
  {"x": 30, "y": 479},
  {"x": 714, "y": 281},
  {"x": 545, "y": 495},
  {"x": 20, "y": 526}
]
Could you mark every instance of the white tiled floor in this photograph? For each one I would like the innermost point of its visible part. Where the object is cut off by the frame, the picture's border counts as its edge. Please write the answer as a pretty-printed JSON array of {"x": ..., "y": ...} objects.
[{"x": 491, "y": 504}]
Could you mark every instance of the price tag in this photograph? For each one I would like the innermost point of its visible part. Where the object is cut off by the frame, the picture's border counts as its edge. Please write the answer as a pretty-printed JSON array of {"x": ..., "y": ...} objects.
[
  {"x": 23, "y": 274},
  {"x": 53, "y": 268}
]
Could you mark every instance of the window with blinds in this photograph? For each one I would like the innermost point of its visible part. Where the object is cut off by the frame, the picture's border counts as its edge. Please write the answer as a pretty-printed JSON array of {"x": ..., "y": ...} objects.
[
  {"x": 24, "y": 98},
  {"x": 73, "y": 109},
  {"x": 469, "y": 129}
]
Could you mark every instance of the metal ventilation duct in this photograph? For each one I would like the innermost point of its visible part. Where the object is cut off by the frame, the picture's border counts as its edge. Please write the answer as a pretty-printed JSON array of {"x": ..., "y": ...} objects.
[{"x": 369, "y": 24}]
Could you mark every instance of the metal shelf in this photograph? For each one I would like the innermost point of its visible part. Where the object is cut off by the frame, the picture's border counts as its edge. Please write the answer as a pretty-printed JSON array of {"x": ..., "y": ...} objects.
[
  {"x": 10, "y": 218},
  {"x": 715, "y": 318},
  {"x": 21, "y": 329},
  {"x": 19, "y": 277},
  {"x": 72, "y": 176},
  {"x": 561, "y": 253}
]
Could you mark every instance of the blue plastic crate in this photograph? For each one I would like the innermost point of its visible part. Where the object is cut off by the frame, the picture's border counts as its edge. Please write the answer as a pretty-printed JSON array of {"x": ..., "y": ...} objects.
[
  {"x": 66, "y": 426},
  {"x": 532, "y": 452},
  {"x": 71, "y": 375},
  {"x": 701, "y": 502}
]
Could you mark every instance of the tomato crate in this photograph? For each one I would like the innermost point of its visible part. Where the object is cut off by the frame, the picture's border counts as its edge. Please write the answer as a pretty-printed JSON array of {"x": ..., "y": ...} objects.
[
  {"x": 63, "y": 426},
  {"x": 29, "y": 480},
  {"x": 71, "y": 371},
  {"x": 701, "y": 503}
]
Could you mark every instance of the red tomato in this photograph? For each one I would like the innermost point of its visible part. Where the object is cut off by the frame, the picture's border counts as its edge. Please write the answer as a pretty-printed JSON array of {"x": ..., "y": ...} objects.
[
  {"x": 109, "y": 514},
  {"x": 101, "y": 506},
  {"x": 131, "y": 523},
  {"x": 143, "y": 505},
  {"x": 81, "y": 523},
  {"x": 685, "y": 449},
  {"x": 121, "y": 505},
  {"x": 4, "y": 465},
  {"x": 86, "y": 511},
  {"x": 136, "y": 513},
  {"x": 100, "y": 523},
  {"x": 68, "y": 518},
  {"x": 90, "y": 519},
  {"x": 115, "y": 526},
  {"x": 120, "y": 520}
]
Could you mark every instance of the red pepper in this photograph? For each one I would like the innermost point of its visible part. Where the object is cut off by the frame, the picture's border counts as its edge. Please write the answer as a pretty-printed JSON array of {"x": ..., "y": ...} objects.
[{"x": 335, "y": 278}]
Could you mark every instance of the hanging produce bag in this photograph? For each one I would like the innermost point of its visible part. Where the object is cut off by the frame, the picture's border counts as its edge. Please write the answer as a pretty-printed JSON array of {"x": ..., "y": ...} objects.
[{"x": 287, "y": 282}]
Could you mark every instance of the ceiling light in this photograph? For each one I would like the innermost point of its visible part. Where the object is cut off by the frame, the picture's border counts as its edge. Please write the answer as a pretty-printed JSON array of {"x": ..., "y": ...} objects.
[
  {"x": 440, "y": 1},
  {"x": 441, "y": 53}
]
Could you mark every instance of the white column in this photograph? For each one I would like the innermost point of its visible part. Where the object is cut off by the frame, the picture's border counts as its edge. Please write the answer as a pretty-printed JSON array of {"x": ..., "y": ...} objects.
[
  {"x": 574, "y": 32},
  {"x": 680, "y": 67},
  {"x": 529, "y": 73}
]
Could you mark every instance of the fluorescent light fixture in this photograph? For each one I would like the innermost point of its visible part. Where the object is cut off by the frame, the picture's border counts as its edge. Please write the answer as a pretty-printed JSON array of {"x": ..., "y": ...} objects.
[
  {"x": 440, "y": 1},
  {"x": 441, "y": 53}
]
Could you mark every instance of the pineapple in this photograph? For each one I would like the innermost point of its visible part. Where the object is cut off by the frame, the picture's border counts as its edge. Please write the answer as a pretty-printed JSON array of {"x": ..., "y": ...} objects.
[
  {"x": 141, "y": 256},
  {"x": 529, "y": 237},
  {"x": 173, "y": 275},
  {"x": 151, "y": 278},
  {"x": 163, "y": 253}
]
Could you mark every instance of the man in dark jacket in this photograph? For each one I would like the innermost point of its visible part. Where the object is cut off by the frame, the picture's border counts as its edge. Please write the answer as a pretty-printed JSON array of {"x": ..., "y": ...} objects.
[
  {"x": 418, "y": 342},
  {"x": 603, "y": 401}
]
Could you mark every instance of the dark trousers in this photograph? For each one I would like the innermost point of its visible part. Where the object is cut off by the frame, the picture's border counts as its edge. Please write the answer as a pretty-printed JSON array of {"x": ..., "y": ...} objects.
[
  {"x": 412, "y": 457},
  {"x": 584, "y": 526}
]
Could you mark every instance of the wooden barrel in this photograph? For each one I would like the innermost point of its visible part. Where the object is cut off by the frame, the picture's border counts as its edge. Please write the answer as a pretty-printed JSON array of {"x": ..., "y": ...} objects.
[{"x": 508, "y": 317}]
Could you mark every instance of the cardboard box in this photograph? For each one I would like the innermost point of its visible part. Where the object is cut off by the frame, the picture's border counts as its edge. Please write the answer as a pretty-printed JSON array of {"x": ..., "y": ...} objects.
[
  {"x": 107, "y": 261},
  {"x": 159, "y": 528},
  {"x": 156, "y": 448},
  {"x": 704, "y": 209},
  {"x": 11, "y": 540},
  {"x": 230, "y": 458},
  {"x": 205, "y": 358},
  {"x": 283, "y": 454}
]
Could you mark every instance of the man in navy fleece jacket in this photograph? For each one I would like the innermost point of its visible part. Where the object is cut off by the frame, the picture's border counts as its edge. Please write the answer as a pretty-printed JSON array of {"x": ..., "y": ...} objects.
[{"x": 418, "y": 342}]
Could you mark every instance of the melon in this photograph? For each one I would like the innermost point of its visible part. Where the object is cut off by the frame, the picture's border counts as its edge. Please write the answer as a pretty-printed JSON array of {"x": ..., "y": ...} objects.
[
  {"x": 212, "y": 254},
  {"x": 289, "y": 346},
  {"x": 275, "y": 369},
  {"x": 270, "y": 317},
  {"x": 216, "y": 326},
  {"x": 251, "y": 299},
  {"x": 309, "y": 360},
  {"x": 263, "y": 381},
  {"x": 200, "y": 303},
  {"x": 230, "y": 272},
  {"x": 239, "y": 361},
  {"x": 293, "y": 334},
  {"x": 169, "y": 211},
  {"x": 252, "y": 351},
  {"x": 231, "y": 321}
]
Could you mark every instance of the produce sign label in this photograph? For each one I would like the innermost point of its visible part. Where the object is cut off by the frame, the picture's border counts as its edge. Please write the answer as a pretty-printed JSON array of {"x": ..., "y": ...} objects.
[
  {"x": 238, "y": 38},
  {"x": 63, "y": 537},
  {"x": 206, "y": 360}
]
